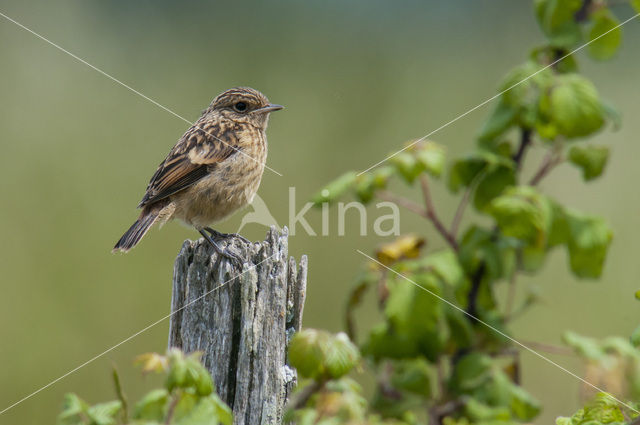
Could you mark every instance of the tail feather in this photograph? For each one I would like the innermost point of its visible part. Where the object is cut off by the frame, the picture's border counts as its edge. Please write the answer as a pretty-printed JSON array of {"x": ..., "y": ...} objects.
[{"x": 132, "y": 236}]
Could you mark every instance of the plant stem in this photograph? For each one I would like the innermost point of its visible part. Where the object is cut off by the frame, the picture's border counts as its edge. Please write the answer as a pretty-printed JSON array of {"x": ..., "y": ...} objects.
[
  {"x": 430, "y": 213},
  {"x": 402, "y": 201},
  {"x": 457, "y": 218},
  {"x": 172, "y": 408},
  {"x": 476, "y": 280},
  {"x": 551, "y": 159},
  {"x": 525, "y": 141},
  {"x": 549, "y": 348},
  {"x": 120, "y": 395},
  {"x": 300, "y": 398},
  {"x": 583, "y": 13}
]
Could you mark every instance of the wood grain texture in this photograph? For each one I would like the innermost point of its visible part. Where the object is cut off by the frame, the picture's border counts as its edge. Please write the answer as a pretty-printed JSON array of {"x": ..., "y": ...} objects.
[{"x": 243, "y": 327}]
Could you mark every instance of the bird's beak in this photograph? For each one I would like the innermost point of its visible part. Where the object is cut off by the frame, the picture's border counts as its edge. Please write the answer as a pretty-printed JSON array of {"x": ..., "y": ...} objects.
[{"x": 268, "y": 108}]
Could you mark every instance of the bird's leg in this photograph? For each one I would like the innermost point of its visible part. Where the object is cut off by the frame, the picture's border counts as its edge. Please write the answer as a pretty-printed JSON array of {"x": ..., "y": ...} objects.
[
  {"x": 219, "y": 235},
  {"x": 235, "y": 258}
]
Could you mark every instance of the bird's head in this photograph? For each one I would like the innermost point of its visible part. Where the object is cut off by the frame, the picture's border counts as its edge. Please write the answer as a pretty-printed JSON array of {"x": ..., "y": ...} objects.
[{"x": 243, "y": 104}]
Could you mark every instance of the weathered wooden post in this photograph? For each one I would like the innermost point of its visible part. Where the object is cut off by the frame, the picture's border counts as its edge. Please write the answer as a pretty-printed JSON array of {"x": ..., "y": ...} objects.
[{"x": 244, "y": 323}]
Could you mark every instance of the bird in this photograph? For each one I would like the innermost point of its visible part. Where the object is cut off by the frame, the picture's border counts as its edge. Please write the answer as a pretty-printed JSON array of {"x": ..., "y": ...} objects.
[{"x": 213, "y": 170}]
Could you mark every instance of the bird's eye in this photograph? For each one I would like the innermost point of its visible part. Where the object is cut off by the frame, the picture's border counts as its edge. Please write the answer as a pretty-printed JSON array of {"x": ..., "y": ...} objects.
[{"x": 240, "y": 107}]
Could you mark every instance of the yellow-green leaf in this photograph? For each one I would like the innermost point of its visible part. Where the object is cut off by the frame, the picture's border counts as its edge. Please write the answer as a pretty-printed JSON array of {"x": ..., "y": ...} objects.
[
  {"x": 574, "y": 106},
  {"x": 335, "y": 189},
  {"x": 604, "y": 26},
  {"x": 590, "y": 159}
]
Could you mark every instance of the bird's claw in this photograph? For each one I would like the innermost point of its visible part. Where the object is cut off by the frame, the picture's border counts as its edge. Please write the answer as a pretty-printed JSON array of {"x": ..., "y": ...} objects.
[
  {"x": 232, "y": 256},
  {"x": 226, "y": 252},
  {"x": 219, "y": 235}
]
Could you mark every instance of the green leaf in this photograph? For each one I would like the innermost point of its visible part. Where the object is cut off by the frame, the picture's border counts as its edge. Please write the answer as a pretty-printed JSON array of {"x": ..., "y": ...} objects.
[
  {"x": 482, "y": 413},
  {"x": 319, "y": 355},
  {"x": 501, "y": 119},
  {"x": 384, "y": 341},
  {"x": 340, "y": 356},
  {"x": 471, "y": 372},
  {"x": 482, "y": 246},
  {"x": 604, "y": 22},
  {"x": 589, "y": 242},
  {"x": 222, "y": 411},
  {"x": 104, "y": 413},
  {"x": 635, "y": 337},
  {"x": 636, "y": 5},
  {"x": 585, "y": 346},
  {"x": 197, "y": 376},
  {"x": 411, "y": 308},
  {"x": 492, "y": 185},
  {"x": 369, "y": 182},
  {"x": 603, "y": 410},
  {"x": 524, "y": 83},
  {"x": 459, "y": 328},
  {"x": 412, "y": 316},
  {"x": 533, "y": 257},
  {"x": 559, "y": 234},
  {"x": 464, "y": 171},
  {"x": 73, "y": 409},
  {"x": 177, "y": 375},
  {"x": 306, "y": 352},
  {"x": 445, "y": 264},
  {"x": 192, "y": 410},
  {"x": 591, "y": 159},
  {"x": 551, "y": 54},
  {"x": 413, "y": 375},
  {"x": 407, "y": 165},
  {"x": 574, "y": 106},
  {"x": 152, "y": 406},
  {"x": 522, "y": 213},
  {"x": 431, "y": 156},
  {"x": 479, "y": 165},
  {"x": 522, "y": 404},
  {"x": 556, "y": 18},
  {"x": 335, "y": 189}
]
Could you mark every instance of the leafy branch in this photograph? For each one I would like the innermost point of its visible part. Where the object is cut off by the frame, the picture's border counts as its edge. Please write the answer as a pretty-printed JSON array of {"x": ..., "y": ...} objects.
[{"x": 434, "y": 364}]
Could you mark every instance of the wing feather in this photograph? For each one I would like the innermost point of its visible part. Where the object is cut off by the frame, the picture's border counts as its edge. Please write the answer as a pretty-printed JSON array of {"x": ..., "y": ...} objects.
[{"x": 191, "y": 159}]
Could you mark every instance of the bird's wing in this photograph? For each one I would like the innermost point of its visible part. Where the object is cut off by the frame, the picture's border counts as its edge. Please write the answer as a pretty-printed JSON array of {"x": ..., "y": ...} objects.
[{"x": 191, "y": 159}]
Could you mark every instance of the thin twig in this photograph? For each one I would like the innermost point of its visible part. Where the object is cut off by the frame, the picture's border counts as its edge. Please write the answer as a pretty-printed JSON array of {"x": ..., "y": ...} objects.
[
  {"x": 472, "y": 297},
  {"x": 431, "y": 213},
  {"x": 525, "y": 141},
  {"x": 172, "y": 408},
  {"x": 549, "y": 348},
  {"x": 120, "y": 395},
  {"x": 457, "y": 218},
  {"x": 385, "y": 195},
  {"x": 428, "y": 213},
  {"x": 551, "y": 159},
  {"x": 518, "y": 157},
  {"x": 300, "y": 399}
]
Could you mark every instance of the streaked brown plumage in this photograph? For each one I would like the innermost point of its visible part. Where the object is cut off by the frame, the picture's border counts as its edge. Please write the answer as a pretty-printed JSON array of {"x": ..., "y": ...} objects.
[{"x": 214, "y": 169}]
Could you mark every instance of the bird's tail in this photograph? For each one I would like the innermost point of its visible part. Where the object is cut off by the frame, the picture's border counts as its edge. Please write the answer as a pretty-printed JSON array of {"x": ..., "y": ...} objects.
[{"x": 132, "y": 236}]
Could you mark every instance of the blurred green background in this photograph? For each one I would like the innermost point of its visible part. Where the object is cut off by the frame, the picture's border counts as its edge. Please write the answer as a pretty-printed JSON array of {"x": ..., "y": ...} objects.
[{"x": 358, "y": 79}]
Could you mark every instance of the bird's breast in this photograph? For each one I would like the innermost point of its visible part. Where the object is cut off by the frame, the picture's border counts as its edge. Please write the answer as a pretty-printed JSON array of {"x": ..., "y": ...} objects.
[{"x": 231, "y": 184}]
